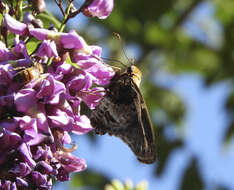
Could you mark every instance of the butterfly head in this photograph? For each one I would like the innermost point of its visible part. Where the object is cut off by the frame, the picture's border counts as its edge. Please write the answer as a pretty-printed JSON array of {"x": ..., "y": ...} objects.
[{"x": 135, "y": 74}]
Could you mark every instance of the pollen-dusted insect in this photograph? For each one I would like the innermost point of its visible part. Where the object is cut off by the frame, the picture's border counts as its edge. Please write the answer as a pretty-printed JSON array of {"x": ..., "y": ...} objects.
[
  {"x": 25, "y": 75},
  {"x": 123, "y": 113}
]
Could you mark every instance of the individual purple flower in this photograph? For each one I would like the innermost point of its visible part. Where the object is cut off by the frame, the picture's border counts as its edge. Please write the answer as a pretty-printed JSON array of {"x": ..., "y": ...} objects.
[
  {"x": 39, "y": 178},
  {"x": 9, "y": 139},
  {"x": 26, "y": 154},
  {"x": 69, "y": 162},
  {"x": 26, "y": 101},
  {"x": 50, "y": 90},
  {"x": 5, "y": 78},
  {"x": 5, "y": 53},
  {"x": 79, "y": 89},
  {"x": 28, "y": 18},
  {"x": 67, "y": 120},
  {"x": 7, "y": 91},
  {"x": 43, "y": 34},
  {"x": 60, "y": 69},
  {"x": 60, "y": 119},
  {"x": 15, "y": 26},
  {"x": 44, "y": 167},
  {"x": 22, "y": 169},
  {"x": 103, "y": 74},
  {"x": 79, "y": 82},
  {"x": 98, "y": 8},
  {"x": 72, "y": 40},
  {"x": 48, "y": 49},
  {"x": 86, "y": 53},
  {"x": 93, "y": 64},
  {"x": 21, "y": 183},
  {"x": 29, "y": 126},
  {"x": 93, "y": 96},
  {"x": 81, "y": 125},
  {"x": 69, "y": 40},
  {"x": 20, "y": 50}
]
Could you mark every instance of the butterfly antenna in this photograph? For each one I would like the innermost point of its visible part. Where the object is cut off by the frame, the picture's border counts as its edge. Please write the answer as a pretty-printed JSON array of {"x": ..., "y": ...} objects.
[
  {"x": 114, "y": 61},
  {"x": 122, "y": 47}
]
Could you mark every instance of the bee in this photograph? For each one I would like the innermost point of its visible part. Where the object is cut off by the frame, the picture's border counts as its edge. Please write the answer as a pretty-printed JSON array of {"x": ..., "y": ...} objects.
[
  {"x": 25, "y": 75},
  {"x": 122, "y": 112}
]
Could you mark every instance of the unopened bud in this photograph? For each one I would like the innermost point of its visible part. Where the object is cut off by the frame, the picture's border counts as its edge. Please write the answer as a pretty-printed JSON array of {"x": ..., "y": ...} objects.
[
  {"x": 31, "y": 20},
  {"x": 28, "y": 17},
  {"x": 39, "y": 5},
  {"x": 3, "y": 7}
]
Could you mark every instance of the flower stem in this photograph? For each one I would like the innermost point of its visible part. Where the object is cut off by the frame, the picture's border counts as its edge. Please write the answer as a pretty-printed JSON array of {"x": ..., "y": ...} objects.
[
  {"x": 20, "y": 10},
  {"x": 66, "y": 17},
  {"x": 62, "y": 26}
]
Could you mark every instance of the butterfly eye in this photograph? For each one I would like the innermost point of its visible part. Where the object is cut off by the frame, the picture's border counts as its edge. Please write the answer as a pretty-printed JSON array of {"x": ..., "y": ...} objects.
[{"x": 130, "y": 69}]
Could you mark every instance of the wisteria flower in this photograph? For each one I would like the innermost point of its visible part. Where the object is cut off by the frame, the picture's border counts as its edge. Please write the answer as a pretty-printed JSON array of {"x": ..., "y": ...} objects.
[
  {"x": 47, "y": 49},
  {"x": 15, "y": 26},
  {"x": 98, "y": 8}
]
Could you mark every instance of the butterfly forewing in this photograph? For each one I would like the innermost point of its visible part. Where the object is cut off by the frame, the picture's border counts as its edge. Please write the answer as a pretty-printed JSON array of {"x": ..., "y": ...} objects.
[{"x": 123, "y": 113}]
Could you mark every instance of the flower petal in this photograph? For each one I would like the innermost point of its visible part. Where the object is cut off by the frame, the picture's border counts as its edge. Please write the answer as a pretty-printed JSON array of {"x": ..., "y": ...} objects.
[{"x": 15, "y": 26}]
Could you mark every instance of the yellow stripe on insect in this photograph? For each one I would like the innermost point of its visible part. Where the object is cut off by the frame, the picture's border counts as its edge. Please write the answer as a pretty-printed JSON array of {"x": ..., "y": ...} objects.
[{"x": 136, "y": 75}]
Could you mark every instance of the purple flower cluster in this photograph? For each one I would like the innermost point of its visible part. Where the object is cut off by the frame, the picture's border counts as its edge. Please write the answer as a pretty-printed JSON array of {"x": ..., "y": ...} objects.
[{"x": 39, "y": 111}]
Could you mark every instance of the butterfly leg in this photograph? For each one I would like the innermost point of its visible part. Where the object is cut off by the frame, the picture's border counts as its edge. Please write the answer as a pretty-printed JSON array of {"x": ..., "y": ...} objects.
[{"x": 93, "y": 93}]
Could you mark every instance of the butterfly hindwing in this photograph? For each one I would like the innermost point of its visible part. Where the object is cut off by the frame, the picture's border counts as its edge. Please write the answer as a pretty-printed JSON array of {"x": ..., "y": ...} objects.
[{"x": 123, "y": 113}]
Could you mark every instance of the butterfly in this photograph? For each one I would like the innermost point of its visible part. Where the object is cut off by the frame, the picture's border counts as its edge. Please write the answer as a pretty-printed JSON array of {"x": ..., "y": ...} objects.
[{"x": 123, "y": 113}]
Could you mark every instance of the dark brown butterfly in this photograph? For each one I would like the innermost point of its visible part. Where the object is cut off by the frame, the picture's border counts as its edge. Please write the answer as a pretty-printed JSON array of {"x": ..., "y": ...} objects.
[{"x": 123, "y": 113}]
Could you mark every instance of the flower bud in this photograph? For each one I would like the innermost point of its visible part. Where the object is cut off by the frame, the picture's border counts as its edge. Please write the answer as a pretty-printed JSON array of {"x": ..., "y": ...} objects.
[
  {"x": 39, "y": 5},
  {"x": 98, "y": 8},
  {"x": 3, "y": 7}
]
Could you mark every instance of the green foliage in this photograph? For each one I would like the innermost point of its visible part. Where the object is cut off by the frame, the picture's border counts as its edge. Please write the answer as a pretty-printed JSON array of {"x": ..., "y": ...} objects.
[
  {"x": 165, "y": 101},
  {"x": 48, "y": 19},
  {"x": 192, "y": 179},
  {"x": 32, "y": 45},
  {"x": 90, "y": 179}
]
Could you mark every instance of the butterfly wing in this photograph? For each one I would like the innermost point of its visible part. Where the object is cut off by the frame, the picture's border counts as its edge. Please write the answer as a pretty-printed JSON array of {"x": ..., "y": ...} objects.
[
  {"x": 123, "y": 113},
  {"x": 147, "y": 149}
]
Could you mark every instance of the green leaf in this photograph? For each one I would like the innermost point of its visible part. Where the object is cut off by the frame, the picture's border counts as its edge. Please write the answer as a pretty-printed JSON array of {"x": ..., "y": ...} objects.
[
  {"x": 89, "y": 178},
  {"x": 48, "y": 19},
  {"x": 192, "y": 179},
  {"x": 32, "y": 45},
  {"x": 68, "y": 60}
]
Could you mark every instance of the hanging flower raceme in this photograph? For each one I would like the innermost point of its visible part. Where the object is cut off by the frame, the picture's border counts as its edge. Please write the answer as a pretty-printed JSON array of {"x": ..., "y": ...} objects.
[{"x": 40, "y": 103}]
